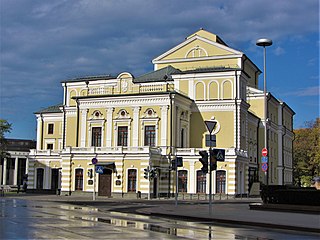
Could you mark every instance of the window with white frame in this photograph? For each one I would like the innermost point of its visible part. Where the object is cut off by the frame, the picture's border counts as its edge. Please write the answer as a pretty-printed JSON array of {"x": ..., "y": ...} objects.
[
  {"x": 96, "y": 137},
  {"x": 122, "y": 136},
  {"x": 150, "y": 135}
]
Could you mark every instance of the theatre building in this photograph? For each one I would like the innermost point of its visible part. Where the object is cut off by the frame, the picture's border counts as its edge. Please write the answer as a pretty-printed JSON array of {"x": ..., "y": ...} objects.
[{"x": 109, "y": 130}]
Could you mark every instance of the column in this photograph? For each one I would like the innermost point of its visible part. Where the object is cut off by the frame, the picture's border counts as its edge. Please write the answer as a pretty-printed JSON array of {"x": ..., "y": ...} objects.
[
  {"x": 4, "y": 179},
  {"x": 15, "y": 173},
  {"x": 66, "y": 171},
  {"x": 39, "y": 129},
  {"x": 178, "y": 130},
  {"x": 193, "y": 178},
  {"x": 109, "y": 127},
  {"x": 164, "y": 125},
  {"x": 135, "y": 136},
  {"x": 47, "y": 177},
  {"x": 83, "y": 127}
]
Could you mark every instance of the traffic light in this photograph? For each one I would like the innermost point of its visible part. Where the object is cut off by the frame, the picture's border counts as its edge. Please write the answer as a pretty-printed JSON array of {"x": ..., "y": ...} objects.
[
  {"x": 204, "y": 161},
  {"x": 146, "y": 173},
  {"x": 153, "y": 173},
  {"x": 173, "y": 164},
  {"x": 213, "y": 160}
]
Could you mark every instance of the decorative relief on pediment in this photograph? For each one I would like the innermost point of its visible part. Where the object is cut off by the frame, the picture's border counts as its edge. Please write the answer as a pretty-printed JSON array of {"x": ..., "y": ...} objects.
[
  {"x": 196, "y": 52},
  {"x": 122, "y": 113},
  {"x": 150, "y": 113},
  {"x": 96, "y": 115}
]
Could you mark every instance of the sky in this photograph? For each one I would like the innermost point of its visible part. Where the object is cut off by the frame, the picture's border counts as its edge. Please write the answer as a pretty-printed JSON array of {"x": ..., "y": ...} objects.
[{"x": 44, "y": 42}]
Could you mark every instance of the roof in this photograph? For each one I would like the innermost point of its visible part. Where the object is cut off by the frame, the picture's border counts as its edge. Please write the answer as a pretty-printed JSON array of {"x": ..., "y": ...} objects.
[
  {"x": 89, "y": 78},
  {"x": 18, "y": 144},
  {"x": 210, "y": 69},
  {"x": 51, "y": 109},
  {"x": 163, "y": 74}
]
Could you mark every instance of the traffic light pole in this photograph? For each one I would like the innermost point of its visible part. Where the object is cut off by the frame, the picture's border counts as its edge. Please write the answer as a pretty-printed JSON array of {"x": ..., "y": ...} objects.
[
  {"x": 177, "y": 182},
  {"x": 210, "y": 180}
]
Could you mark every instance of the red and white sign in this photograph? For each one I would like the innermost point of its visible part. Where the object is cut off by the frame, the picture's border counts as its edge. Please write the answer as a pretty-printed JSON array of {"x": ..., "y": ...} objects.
[{"x": 264, "y": 152}]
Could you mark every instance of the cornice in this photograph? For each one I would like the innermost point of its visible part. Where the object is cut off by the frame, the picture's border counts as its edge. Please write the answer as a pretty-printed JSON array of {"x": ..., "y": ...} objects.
[{"x": 117, "y": 102}]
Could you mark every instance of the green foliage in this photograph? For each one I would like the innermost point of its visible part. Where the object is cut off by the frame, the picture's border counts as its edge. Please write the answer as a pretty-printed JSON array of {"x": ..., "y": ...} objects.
[
  {"x": 306, "y": 153},
  {"x": 5, "y": 127}
]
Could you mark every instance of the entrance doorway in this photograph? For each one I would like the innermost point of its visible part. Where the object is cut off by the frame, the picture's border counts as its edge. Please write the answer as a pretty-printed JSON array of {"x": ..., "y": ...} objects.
[
  {"x": 104, "y": 188},
  {"x": 54, "y": 179}
]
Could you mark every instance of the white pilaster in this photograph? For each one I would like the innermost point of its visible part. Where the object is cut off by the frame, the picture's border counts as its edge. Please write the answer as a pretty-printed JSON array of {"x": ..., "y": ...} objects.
[
  {"x": 39, "y": 122},
  {"x": 15, "y": 173},
  {"x": 83, "y": 127},
  {"x": 178, "y": 130},
  {"x": 193, "y": 178},
  {"x": 135, "y": 137},
  {"x": 109, "y": 127},
  {"x": 191, "y": 88},
  {"x": 164, "y": 125},
  {"x": 4, "y": 179}
]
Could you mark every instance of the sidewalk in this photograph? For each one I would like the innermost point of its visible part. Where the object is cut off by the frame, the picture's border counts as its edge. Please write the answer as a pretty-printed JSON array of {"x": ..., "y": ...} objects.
[{"x": 232, "y": 211}]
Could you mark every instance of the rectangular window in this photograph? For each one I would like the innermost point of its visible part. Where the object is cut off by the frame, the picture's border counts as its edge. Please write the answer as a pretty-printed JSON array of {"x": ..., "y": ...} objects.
[
  {"x": 182, "y": 181},
  {"x": 49, "y": 146},
  {"x": 79, "y": 179},
  {"x": 201, "y": 182},
  {"x": 123, "y": 136},
  {"x": 96, "y": 137},
  {"x": 150, "y": 136},
  {"x": 132, "y": 180},
  {"x": 50, "y": 128}
]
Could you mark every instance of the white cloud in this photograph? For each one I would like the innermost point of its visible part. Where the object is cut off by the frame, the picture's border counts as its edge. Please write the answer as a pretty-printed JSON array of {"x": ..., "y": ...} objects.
[
  {"x": 279, "y": 51},
  {"x": 306, "y": 92}
]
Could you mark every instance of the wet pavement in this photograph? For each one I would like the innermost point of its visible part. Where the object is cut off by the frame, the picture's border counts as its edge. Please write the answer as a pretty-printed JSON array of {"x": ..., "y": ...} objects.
[{"x": 43, "y": 219}]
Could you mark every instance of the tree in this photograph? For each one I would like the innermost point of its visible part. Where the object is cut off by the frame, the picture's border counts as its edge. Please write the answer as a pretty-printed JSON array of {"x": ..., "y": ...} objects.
[
  {"x": 5, "y": 127},
  {"x": 306, "y": 153}
]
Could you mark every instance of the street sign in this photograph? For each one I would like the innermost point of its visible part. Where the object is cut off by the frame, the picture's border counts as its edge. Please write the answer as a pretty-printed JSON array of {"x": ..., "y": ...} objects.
[
  {"x": 210, "y": 125},
  {"x": 264, "y": 152},
  {"x": 264, "y": 167},
  {"x": 264, "y": 159},
  {"x": 94, "y": 160},
  {"x": 219, "y": 154},
  {"x": 99, "y": 169}
]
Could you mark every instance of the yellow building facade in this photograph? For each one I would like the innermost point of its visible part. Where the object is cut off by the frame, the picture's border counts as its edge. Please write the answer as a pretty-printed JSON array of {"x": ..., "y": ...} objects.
[{"x": 110, "y": 129}]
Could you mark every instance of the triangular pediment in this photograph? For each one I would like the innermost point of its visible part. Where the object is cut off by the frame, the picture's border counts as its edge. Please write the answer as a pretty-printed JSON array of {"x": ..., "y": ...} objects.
[{"x": 198, "y": 46}]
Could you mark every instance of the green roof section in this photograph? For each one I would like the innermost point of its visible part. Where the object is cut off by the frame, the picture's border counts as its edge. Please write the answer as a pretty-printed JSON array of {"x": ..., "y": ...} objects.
[
  {"x": 90, "y": 78},
  {"x": 161, "y": 75},
  {"x": 51, "y": 109}
]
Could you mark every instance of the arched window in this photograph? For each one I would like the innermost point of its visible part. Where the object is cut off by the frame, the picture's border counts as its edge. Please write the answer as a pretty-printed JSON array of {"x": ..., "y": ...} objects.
[
  {"x": 132, "y": 180},
  {"x": 72, "y": 101},
  {"x": 200, "y": 91},
  {"x": 183, "y": 181},
  {"x": 220, "y": 181},
  {"x": 227, "y": 89},
  {"x": 201, "y": 182},
  {"x": 40, "y": 173},
  {"x": 79, "y": 179},
  {"x": 213, "y": 90}
]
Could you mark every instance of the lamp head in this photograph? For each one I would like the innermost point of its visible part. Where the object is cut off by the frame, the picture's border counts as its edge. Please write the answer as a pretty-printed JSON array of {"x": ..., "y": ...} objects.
[{"x": 264, "y": 42}]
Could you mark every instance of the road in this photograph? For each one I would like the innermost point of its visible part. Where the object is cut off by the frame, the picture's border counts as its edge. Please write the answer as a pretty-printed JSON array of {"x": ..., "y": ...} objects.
[{"x": 25, "y": 219}]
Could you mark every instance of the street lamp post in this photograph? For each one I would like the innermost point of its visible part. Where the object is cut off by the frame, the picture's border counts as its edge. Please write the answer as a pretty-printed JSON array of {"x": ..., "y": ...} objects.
[{"x": 264, "y": 42}]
